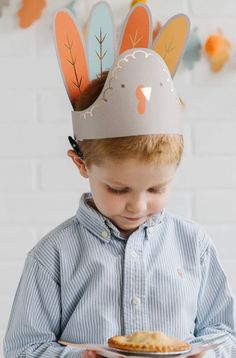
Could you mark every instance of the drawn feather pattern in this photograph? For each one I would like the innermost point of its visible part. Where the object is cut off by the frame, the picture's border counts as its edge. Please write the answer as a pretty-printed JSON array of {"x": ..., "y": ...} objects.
[{"x": 100, "y": 40}]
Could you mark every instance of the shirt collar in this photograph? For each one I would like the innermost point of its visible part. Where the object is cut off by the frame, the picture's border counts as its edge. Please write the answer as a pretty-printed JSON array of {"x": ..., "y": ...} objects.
[{"x": 100, "y": 225}]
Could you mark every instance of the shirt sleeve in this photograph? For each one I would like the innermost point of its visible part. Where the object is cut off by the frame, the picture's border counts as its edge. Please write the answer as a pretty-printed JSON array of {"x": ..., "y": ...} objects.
[
  {"x": 216, "y": 305},
  {"x": 34, "y": 324}
]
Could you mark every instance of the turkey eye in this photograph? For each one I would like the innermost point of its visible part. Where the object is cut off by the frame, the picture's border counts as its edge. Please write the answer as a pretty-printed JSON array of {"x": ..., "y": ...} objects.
[{"x": 123, "y": 86}]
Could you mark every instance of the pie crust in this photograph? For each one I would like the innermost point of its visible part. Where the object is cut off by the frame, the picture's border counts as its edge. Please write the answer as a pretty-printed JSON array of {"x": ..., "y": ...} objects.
[{"x": 148, "y": 341}]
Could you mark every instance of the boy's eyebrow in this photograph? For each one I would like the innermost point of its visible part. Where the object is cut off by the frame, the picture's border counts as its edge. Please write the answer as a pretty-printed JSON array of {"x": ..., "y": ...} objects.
[{"x": 154, "y": 186}]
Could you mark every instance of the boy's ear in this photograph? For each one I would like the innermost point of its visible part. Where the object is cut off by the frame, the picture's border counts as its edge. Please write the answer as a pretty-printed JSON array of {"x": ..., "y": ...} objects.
[{"x": 79, "y": 163}]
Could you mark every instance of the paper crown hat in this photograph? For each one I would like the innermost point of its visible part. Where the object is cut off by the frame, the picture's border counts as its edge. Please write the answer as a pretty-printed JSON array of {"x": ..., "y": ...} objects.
[{"x": 138, "y": 97}]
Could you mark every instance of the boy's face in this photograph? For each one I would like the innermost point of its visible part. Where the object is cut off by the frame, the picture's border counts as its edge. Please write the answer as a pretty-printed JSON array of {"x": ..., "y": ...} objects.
[{"x": 129, "y": 192}]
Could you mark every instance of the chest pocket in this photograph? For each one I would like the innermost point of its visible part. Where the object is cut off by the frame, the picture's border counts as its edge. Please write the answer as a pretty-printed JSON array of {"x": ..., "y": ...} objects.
[{"x": 173, "y": 290}]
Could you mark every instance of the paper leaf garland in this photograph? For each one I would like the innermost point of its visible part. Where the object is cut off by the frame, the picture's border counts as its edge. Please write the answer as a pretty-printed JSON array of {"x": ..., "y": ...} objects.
[
  {"x": 193, "y": 51},
  {"x": 100, "y": 40},
  {"x": 217, "y": 49},
  {"x": 30, "y": 11},
  {"x": 2, "y": 4}
]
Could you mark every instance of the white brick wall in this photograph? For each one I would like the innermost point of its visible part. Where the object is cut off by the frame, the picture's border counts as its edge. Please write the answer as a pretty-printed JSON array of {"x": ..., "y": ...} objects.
[{"x": 39, "y": 187}]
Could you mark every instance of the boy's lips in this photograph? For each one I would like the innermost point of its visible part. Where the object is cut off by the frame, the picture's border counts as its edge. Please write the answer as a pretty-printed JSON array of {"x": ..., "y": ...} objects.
[{"x": 133, "y": 219}]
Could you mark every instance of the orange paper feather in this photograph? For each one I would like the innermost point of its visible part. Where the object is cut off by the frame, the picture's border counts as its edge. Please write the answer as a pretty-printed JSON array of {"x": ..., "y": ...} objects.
[
  {"x": 170, "y": 41},
  {"x": 137, "y": 30},
  {"x": 72, "y": 55}
]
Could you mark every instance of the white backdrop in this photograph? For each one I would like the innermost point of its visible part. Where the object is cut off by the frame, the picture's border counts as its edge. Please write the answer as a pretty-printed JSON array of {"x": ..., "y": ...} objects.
[{"x": 39, "y": 187}]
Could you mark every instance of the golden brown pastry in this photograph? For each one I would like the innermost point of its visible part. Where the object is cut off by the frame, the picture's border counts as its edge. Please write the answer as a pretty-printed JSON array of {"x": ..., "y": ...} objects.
[{"x": 148, "y": 341}]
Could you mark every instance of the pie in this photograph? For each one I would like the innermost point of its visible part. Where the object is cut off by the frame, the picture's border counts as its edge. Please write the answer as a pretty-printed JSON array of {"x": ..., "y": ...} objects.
[{"x": 148, "y": 341}]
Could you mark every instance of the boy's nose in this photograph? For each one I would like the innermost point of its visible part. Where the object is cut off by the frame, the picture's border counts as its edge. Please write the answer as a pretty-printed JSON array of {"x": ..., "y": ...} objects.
[{"x": 136, "y": 206}]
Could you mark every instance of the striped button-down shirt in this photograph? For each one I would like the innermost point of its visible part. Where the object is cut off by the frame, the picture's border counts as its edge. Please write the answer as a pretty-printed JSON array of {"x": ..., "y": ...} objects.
[{"x": 84, "y": 283}]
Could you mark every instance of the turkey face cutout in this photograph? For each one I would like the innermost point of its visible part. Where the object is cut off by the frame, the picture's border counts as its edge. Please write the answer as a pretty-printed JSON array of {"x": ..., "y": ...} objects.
[{"x": 138, "y": 97}]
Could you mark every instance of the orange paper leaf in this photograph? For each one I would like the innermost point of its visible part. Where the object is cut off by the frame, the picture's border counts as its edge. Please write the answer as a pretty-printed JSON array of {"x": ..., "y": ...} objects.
[
  {"x": 218, "y": 61},
  {"x": 217, "y": 48},
  {"x": 213, "y": 44},
  {"x": 30, "y": 11}
]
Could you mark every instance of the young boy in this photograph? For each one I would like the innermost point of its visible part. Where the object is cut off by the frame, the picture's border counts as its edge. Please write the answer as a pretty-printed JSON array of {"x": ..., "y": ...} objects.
[{"x": 122, "y": 263}]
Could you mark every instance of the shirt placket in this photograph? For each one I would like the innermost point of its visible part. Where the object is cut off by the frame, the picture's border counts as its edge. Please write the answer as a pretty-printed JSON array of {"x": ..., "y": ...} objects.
[{"x": 134, "y": 299}]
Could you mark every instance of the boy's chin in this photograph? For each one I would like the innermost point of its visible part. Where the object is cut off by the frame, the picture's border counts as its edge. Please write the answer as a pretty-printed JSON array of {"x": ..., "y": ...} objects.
[{"x": 126, "y": 224}]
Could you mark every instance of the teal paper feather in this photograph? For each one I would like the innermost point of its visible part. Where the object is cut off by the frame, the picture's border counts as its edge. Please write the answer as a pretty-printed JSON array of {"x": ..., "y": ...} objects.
[{"x": 100, "y": 40}]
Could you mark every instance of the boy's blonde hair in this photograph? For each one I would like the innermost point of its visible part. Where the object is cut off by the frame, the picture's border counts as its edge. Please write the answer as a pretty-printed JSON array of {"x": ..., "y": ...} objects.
[{"x": 156, "y": 149}]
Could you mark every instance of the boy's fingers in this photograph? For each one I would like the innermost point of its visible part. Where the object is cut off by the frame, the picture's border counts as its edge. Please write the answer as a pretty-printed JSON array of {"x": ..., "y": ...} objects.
[{"x": 92, "y": 354}]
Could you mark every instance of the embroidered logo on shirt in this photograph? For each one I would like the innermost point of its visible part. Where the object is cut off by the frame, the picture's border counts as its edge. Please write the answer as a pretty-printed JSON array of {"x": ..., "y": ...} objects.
[{"x": 180, "y": 273}]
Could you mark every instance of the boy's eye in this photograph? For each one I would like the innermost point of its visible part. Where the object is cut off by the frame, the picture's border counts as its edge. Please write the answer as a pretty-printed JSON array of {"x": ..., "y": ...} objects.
[
  {"x": 123, "y": 191},
  {"x": 117, "y": 191},
  {"x": 157, "y": 191}
]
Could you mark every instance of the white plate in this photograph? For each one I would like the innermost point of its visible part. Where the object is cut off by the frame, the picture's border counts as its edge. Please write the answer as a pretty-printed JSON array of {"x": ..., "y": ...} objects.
[
  {"x": 150, "y": 354},
  {"x": 211, "y": 342}
]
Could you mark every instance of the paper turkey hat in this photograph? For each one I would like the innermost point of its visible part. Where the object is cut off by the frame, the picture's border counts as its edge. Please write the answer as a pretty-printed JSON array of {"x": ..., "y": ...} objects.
[{"x": 138, "y": 97}]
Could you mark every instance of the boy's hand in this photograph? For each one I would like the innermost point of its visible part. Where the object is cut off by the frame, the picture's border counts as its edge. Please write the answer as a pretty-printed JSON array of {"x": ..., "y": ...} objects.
[{"x": 90, "y": 354}]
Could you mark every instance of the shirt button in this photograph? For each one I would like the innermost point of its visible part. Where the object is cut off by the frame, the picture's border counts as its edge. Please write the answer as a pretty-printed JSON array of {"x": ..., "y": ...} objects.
[
  {"x": 136, "y": 301},
  {"x": 105, "y": 234},
  {"x": 133, "y": 254}
]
